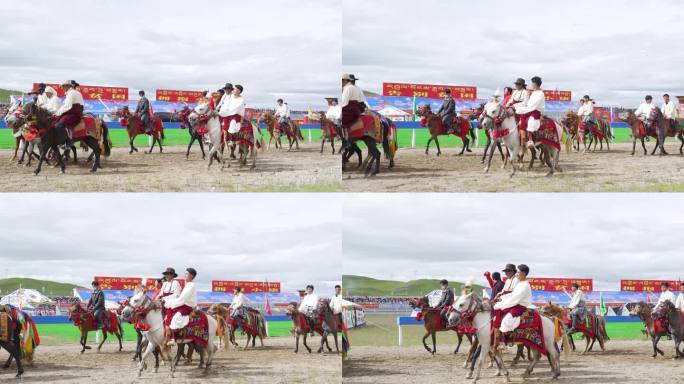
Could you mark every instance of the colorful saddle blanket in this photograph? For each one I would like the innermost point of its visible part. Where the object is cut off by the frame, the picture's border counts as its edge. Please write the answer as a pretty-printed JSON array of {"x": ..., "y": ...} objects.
[
  {"x": 372, "y": 126},
  {"x": 196, "y": 331},
  {"x": 87, "y": 127},
  {"x": 244, "y": 136},
  {"x": 250, "y": 322},
  {"x": 529, "y": 333},
  {"x": 460, "y": 125},
  {"x": 547, "y": 133}
]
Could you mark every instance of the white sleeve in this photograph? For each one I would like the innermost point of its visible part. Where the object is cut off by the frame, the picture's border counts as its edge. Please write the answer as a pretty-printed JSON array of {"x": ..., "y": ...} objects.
[
  {"x": 176, "y": 288},
  {"x": 574, "y": 302},
  {"x": 346, "y": 95},
  {"x": 512, "y": 299},
  {"x": 68, "y": 103}
]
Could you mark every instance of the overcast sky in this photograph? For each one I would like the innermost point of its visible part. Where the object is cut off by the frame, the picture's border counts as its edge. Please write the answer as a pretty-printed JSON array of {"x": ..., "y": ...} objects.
[
  {"x": 614, "y": 50},
  {"x": 291, "y": 238},
  {"x": 606, "y": 237},
  {"x": 274, "y": 49}
]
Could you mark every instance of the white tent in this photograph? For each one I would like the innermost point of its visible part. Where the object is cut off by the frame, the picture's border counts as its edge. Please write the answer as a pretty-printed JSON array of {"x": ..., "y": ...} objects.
[
  {"x": 25, "y": 298},
  {"x": 393, "y": 113}
]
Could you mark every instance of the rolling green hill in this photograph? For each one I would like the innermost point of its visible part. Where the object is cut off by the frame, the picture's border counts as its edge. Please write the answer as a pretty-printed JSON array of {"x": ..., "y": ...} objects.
[
  {"x": 5, "y": 94},
  {"x": 366, "y": 286},
  {"x": 51, "y": 288}
]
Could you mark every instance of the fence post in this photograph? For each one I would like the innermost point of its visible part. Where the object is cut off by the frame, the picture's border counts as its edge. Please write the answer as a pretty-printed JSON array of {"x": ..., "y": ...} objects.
[
  {"x": 309, "y": 134},
  {"x": 413, "y": 137},
  {"x": 400, "y": 334},
  {"x": 477, "y": 136},
  {"x": 97, "y": 336}
]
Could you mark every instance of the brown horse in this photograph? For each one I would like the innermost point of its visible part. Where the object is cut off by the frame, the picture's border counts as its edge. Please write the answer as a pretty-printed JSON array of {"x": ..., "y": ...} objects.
[
  {"x": 328, "y": 131},
  {"x": 85, "y": 321},
  {"x": 44, "y": 121},
  {"x": 134, "y": 127},
  {"x": 331, "y": 324},
  {"x": 658, "y": 124},
  {"x": 229, "y": 325},
  {"x": 434, "y": 123},
  {"x": 292, "y": 132},
  {"x": 433, "y": 324},
  {"x": 301, "y": 327},
  {"x": 598, "y": 333},
  {"x": 645, "y": 313},
  {"x": 675, "y": 323},
  {"x": 576, "y": 135}
]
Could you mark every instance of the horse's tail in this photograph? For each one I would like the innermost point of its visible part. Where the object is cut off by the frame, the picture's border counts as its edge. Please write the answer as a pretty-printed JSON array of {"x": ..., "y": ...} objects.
[
  {"x": 262, "y": 326},
  {"x": 565, "y": 341},
  {"x": 299, "y": 132},
  {"x": 106, "y": 142}
]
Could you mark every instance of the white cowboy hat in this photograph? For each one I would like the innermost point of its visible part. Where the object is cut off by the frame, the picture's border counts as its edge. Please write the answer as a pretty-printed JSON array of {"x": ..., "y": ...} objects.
[
  {"x": 346, "y": 76},
  {"x": 49, "y": 89}
]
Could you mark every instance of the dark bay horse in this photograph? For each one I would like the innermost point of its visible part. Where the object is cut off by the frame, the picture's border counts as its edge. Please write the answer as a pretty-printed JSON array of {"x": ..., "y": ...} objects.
[
  {"x": 223, "y": 315},
  {"x": 134, "y": 127},
  {"x": 675, "y": 320},
  {"x": 184, "y": 116},
  {"x": 461, "y": 126},
  {"x": 645, "y": 313},
  {"x": 433, "y": 324},
  {"x": 331, "y": 324},
  {"x": 85, "y": 321},
  {"x": 598, "y": 333},
  {"x": 328, "y": 131}
]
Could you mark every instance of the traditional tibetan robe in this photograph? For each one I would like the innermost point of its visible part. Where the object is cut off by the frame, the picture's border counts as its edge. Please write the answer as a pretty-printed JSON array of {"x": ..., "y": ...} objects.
[
  {"x": 514, "y": 304},
  {"x": 232, "y": 110},
  {"x": 309, "y": 303},
  {"x": 182, "y": 306},
  {"x": 352, "y": 97},
  {"x": 71, "y": 111},
  {"x": 531, "y": 111}
]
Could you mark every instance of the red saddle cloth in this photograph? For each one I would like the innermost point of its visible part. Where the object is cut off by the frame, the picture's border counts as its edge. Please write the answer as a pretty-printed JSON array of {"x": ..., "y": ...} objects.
[
  {"x": 244, "y": 136},
  {"x": 529, "y": 333},
  {"x": 595, "y": 130},
  {"x": 330, "y": 129},
  {"x": 196, "y": 331},
  {"x": 201, "y": 128},
  {"x": 372, "y": 126},
  {"x": 304, "y": 325},
  {"x": 460, "y": 125},
  {"x": 661, "y": 325},
  {"x": 588, "y": 326},
  {"x": 249, "y": 324},
  {"x": 288, "y": 130},
  {"x": 87, "y": 127},
  {"x": 109, "y": 325},
  {"x": 547, "y": 133},
  {"x": 643, "y": 130}
]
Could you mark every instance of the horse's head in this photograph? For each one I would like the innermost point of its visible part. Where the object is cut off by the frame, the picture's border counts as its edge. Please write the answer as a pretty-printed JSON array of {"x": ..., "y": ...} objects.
[
  {"x": 640, "y": 309},
  {"x": 424, "y": 110},
  {"x": 75, "y": 311},
  {"x": 493, "y": 113},
  {"x": 551, "y": 309},
  {"x": 139, "y": 299},
  {"x": 215, "y": 309},
  {"x": 203, "y": 109},
  {"x": 323, "y": 305},
  {"x": 125, "y": 310},
  {"x": 656, "y": 114},
  {"x": 291, "y": 309}
]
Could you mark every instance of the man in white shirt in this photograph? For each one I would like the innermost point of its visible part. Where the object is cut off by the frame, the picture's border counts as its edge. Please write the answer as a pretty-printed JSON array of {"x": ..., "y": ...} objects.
[
  {"x": 237, "y": 306},
  {"x": 510, "y": 283},
  {"x": 336, "y": 301},
  {"x": 578, "y": 311},
  {"x": 351, "y": 102},
  {"x": 520, "y": 95},
  {"x": 679, "y": 304},
  {"x": 308, "y": 306},
  {"x": 532, "y": 111},
  {"x": 671, "y": 113},
  {"x": 586, "y": 115},
  {"x": 227, "y": 92},
  {"x": 71, "y": 111},
  {"x": 334, "y": 113},
  {"x": 643, "y": 113},
  {"x": 183, "y": 305},
  {"x": 666, "y": 294},
  {"x": 514, "y": 304},
  {"x": 51, "y": 101},
  {"x": 232, "y": 110},
  {"x": 282, "y": 113},
  {"x": 170, "y": 288}
]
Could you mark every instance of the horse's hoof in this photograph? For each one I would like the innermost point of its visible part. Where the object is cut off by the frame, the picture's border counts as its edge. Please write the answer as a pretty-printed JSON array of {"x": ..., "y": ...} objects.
[{"x": 486, "y": 170}]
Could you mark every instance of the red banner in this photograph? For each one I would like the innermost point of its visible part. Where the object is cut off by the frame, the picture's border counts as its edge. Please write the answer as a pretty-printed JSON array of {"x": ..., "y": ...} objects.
[
  {"x": 91, "y": 92},
  {"x": 247, "y": 286},
  {"x": 554, "y": 284},
  {"x": 430, "y": 91},
  {"x": 646, "y": 285},
  {"x": 178, "y": 96},
  {"x": 557, "y": 95},
  {"x": 128, "y": 283}
]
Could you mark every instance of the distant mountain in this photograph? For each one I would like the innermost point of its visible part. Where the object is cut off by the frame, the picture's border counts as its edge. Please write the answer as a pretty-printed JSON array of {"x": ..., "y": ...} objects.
[
  {"x": 365, "y": 286},
  {"x": 5, "y": 94},
  {"x": 48, "y": 288}
]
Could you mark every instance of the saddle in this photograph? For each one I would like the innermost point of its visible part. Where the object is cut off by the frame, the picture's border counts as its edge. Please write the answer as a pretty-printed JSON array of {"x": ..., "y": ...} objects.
[
  {"x": 86, "y": 127},
  {"x": 5, "y": 332},
  {"x": 197, "y": 329},
  {"x": 529, "y": 333},
  {"x": 547, "y": 133}
]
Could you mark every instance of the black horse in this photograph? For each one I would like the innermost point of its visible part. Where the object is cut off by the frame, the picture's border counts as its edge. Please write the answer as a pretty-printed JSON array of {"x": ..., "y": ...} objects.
[
  {"x": 194, "y": 136},
  {"x": 52, "y": 139}
]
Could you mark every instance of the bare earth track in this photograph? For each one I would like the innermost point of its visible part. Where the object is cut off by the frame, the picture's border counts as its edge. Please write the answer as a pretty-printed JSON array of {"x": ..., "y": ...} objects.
[
  {"x": 625, "y": 362},
  {"x": 614, "y": 171},
  {"x": 275, "y": 363},
  {"x": 303, "y": 170}
]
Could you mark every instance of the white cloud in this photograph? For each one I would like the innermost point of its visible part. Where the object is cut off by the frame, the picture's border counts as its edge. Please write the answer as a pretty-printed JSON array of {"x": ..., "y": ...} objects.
[
  {"x": 614, "y": 50},
  {"x": 291, "y": 238},
  {"x": 606, "y": 237},
  {"x": 274, "y": 49}
]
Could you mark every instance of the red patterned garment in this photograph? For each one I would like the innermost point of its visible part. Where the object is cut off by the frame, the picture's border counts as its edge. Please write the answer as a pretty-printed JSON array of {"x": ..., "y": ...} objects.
[
  {"x": 196, "y": 331},
  {"x": 529, "y": 333}
]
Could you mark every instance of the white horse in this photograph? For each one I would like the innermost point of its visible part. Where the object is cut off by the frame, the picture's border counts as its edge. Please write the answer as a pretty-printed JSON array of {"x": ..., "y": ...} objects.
[
  {"x": 214, "y": 134},
  {"x": 496, "y": 118},
  {"x": 471, "y": 305},
  {"x": 151, "y": 310}
]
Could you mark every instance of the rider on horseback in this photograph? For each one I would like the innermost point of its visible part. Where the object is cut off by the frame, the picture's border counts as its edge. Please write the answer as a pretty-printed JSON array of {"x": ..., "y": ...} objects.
[
  {"x": 586, "y": 112},
  {"x": 170, "y": 288},
  {"x": 353, "y": 102},
  {"x": 446, "y": 301},
  {"x": 237, "y": 306},
  {"x": 447, "y": 111},
  {"x": 308, "y": 306},
  {"x": 96, "y": 304},
  {"x": 142, "y": 110},
  {"x": 531, "y": 111},
  {"x": 181, "y": 307},
  {"x": 679, "y": 304},
  {"x": 231, "y": 109},
  {"x": 71, "y": 112},
  {"x": 671, "y": 112},
  {"x": 282, "y": 113},
  {"x": 49, "y": 100},
  {"x": 643, "y": 113},
  {"x": 578, "y": 311},
  {"x": 514, "y": 304}
]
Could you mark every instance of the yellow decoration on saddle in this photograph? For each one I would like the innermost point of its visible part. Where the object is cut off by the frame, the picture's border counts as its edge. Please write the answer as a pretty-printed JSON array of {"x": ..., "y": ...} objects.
[
  {"x": 559, "y": 332},
  {"x": 4, "y": 326}
]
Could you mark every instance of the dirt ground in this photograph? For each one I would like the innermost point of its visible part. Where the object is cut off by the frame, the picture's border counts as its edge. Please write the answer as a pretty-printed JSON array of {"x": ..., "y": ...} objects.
[
  {"x": 623, "y": 362},
  {"x": 275, "y": 363},
  {"x": 304, "y": 170},
  {"x": 614, "y": 171}
]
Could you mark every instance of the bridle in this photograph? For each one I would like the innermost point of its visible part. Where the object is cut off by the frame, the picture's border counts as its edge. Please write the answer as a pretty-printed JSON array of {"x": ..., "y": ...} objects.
[{"x": 140, "y": 311}]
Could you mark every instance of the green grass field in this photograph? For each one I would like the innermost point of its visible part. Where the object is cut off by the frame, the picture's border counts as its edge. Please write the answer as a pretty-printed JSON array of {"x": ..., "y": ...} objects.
[
  {"x": 173, "y": 137},
  {"x": 366, "y": 286},
  {"x": 622, "y": 135},
  {"x": 49, "y": 288},
  {"x": 382, "y": 331},
  {"x": 68, "y": 333}
]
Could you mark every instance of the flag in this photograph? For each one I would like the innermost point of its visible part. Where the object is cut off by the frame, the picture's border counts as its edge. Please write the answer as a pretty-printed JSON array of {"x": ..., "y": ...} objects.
[
  {"x": 268, "y": 307},
  {"x": 602, "y": 305}
]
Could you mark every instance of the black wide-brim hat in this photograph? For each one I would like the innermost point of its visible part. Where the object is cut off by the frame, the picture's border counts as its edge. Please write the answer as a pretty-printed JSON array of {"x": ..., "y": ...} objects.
[
  {"x": 509, "y": 267},
  {"x": 170, "y": 271},
  {"x": 520, "y": 81}
]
